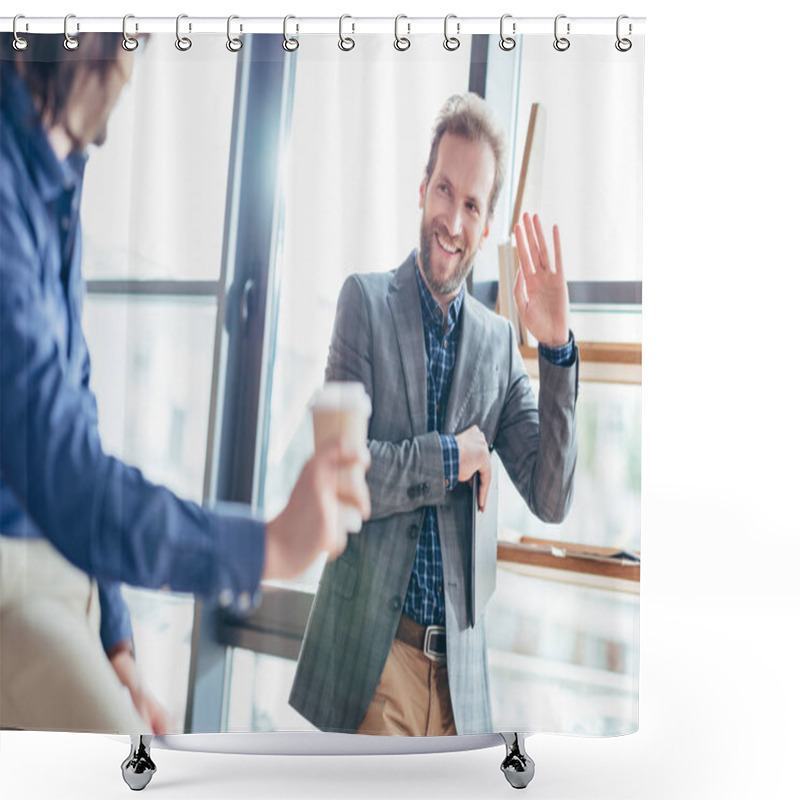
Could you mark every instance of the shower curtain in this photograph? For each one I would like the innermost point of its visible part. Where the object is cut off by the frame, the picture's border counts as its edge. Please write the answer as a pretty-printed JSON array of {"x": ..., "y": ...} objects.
[{"x": 257, "y": 218}]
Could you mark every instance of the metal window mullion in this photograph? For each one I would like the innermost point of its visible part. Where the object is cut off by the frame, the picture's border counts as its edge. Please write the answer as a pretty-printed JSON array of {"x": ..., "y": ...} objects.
[
  {"x": 246, "y": 320},
  {"x": 253, "y": 180},
  {"x": 210, "y": 659},
  {"x": 627, "y": 293},
  {"x": 153, "y": 288},
  {"x": 479, "y": 47}
]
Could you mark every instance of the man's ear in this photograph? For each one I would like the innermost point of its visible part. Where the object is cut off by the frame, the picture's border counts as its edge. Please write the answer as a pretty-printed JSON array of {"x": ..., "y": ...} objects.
[
  {"x": 484, "y": 235},
  {"x": 422, "y": 187}
]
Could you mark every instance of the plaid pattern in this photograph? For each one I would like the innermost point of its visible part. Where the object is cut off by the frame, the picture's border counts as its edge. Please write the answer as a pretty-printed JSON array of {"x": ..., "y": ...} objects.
[
  {"x": 563, "y": 356},
  {"x": 425, "y": 597},
  {"x": 378, "y": 339},
  {"x": 424, "y": 601}
]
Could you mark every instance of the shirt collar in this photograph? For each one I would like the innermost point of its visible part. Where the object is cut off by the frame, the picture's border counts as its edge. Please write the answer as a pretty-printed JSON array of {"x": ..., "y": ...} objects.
[
  {"x": 430, "y": 308},
  {"x": 51, "y": 176}
]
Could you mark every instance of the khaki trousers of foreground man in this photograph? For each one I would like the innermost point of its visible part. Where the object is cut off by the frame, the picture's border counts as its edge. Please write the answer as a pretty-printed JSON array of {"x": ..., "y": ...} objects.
[
  {"x": 54, "y": 673},
  {"x": 412, "y": 698}
]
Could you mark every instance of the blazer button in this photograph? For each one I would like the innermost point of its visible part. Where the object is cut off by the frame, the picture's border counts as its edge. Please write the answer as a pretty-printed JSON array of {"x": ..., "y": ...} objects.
[
  {"x": 396, "y": 603},
  {"x": 425, "y": 487},
  {"x": 412, "y": 492},
  {"x": 413, "y": 531}
]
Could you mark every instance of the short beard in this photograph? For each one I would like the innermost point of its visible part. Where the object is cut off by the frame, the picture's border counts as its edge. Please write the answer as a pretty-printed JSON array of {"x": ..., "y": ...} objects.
[{"x": 451, "y": 286}]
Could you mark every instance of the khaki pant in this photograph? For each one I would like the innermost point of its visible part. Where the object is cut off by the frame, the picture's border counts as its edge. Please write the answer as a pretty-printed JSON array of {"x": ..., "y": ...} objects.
[
  {"x": 54, "y": 673},
  {"x": 412, "y": 698}
]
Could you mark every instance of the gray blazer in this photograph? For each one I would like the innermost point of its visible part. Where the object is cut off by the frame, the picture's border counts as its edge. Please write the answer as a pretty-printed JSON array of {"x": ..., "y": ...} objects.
[{"x": 378, "y": 339}]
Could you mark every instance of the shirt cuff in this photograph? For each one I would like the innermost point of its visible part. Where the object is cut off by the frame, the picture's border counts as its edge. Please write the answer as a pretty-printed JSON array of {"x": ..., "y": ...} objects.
[
  {"x": 450, "y": 459},
  {"x": 115, "y": 619},
  {"x": 563, "y": 356},
  {"x": 125, "y": 646},
  {"x": 240, "y": 560}
]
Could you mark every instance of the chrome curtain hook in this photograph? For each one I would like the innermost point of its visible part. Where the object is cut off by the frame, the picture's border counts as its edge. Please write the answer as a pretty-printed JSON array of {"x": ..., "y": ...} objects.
[
  {"x": 290, "y": 44},
  {"x": 507, "y": 42},
  {"x": 345, "y": 42},
  {"x": 451, "y": 42},
  {"x": 20, "y": 42},
  {"x": 234, "y": 44},
  {"x": 401, "y": 43},
  {"x": 561, "y": 43},
  {"x": 128, "y": 42},
  {"x": 183, "y": 43},
  {"x": 70, "y": 42},
  {"x": 623, "y": 45}
]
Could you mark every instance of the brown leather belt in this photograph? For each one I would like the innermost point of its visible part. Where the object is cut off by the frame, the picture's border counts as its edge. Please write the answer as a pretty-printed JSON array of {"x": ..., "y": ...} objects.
[{"x": 430, "y": 639}]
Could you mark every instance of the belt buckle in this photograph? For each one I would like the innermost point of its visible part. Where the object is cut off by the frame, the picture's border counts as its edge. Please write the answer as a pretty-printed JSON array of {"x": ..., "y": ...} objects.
[{"x": 431, "y": 632}]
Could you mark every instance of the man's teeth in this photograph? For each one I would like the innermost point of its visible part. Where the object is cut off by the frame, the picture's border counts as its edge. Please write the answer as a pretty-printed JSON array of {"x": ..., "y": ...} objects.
[{"x": 448, "y": 248}]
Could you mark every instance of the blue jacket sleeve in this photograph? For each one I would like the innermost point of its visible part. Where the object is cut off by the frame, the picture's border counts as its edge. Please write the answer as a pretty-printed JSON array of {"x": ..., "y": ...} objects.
[
  {"x": 115, "y": 619},
  {"x": 101, "y": 514}
]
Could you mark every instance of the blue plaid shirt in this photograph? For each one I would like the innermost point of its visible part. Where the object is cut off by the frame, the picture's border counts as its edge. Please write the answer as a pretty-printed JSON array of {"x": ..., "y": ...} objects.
[{"x": 425, "y": 596}]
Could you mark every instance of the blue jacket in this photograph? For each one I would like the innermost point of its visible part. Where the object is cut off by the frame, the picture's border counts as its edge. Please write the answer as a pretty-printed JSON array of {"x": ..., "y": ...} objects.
[{"x": 55, "y": 479}]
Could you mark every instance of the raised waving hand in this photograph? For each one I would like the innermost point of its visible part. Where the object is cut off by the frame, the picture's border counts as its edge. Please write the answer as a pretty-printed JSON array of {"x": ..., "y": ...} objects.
[{"x": 540, "y": 288}]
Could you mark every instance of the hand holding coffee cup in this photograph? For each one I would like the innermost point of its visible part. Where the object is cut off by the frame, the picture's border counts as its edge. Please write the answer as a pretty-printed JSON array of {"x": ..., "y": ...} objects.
[
  {"x": 341, "y": 412},
  {"x": 312, "y": 522}
]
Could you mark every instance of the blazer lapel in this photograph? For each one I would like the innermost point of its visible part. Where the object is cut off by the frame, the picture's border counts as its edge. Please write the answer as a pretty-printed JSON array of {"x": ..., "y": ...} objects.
[
  {"x": 407, "y": 315},
  {"x": 465, "y": 375}
]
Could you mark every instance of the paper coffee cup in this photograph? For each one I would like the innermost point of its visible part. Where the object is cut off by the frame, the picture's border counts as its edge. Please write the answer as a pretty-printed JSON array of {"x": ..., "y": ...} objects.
[{"x": 341, "y": 410}]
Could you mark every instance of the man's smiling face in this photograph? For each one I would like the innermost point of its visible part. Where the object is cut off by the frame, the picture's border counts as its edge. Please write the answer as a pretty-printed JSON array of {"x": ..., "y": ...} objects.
[{"x": 454, "y": 203}]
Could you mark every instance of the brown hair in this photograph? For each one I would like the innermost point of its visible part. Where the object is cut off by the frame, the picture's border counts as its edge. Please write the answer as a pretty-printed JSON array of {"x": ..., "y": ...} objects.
[
  {"x": 48, "y": 69},
  {"x": 468, "y": 116}
]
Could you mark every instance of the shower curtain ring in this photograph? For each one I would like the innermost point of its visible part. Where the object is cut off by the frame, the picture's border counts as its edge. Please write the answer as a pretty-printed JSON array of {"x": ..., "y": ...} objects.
[
  {"x": 401, "y": 43},
  {"x": 507, "y": 42},
  {"x": 183, "y": 43},
  {"x": 128, "y": 42},
  {"x": 623, "y": 45},
  {"x": 561, "y": 43},
  {"x": 234, "y": 44},
  {"x": 70, "y": 42},
  {"x": 345, "y": 42},
  {"x": 20, "y": 42},
  {"x": 290, "y": 44},
  {"x": 451, "y": 42}
]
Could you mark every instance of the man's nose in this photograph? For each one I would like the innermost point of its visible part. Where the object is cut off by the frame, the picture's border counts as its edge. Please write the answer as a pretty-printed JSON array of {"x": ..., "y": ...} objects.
[{"x": 454, "y": 223}]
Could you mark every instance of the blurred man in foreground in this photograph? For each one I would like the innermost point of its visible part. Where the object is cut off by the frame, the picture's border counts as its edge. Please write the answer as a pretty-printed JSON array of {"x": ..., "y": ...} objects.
[{"x": 74, "y": 521}]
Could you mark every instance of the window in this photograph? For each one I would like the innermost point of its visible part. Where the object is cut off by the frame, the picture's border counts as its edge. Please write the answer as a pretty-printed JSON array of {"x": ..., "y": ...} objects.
[
  {"x": 347, "y": 210},
  {"x": 343, "y": 198},
  {"x": 152, "y": 259},
  {"x": 564, "y": 645}
]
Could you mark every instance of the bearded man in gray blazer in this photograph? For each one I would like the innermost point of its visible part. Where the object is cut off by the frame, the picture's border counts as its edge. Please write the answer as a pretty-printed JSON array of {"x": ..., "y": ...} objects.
[{"x": 391, "y": 646}]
